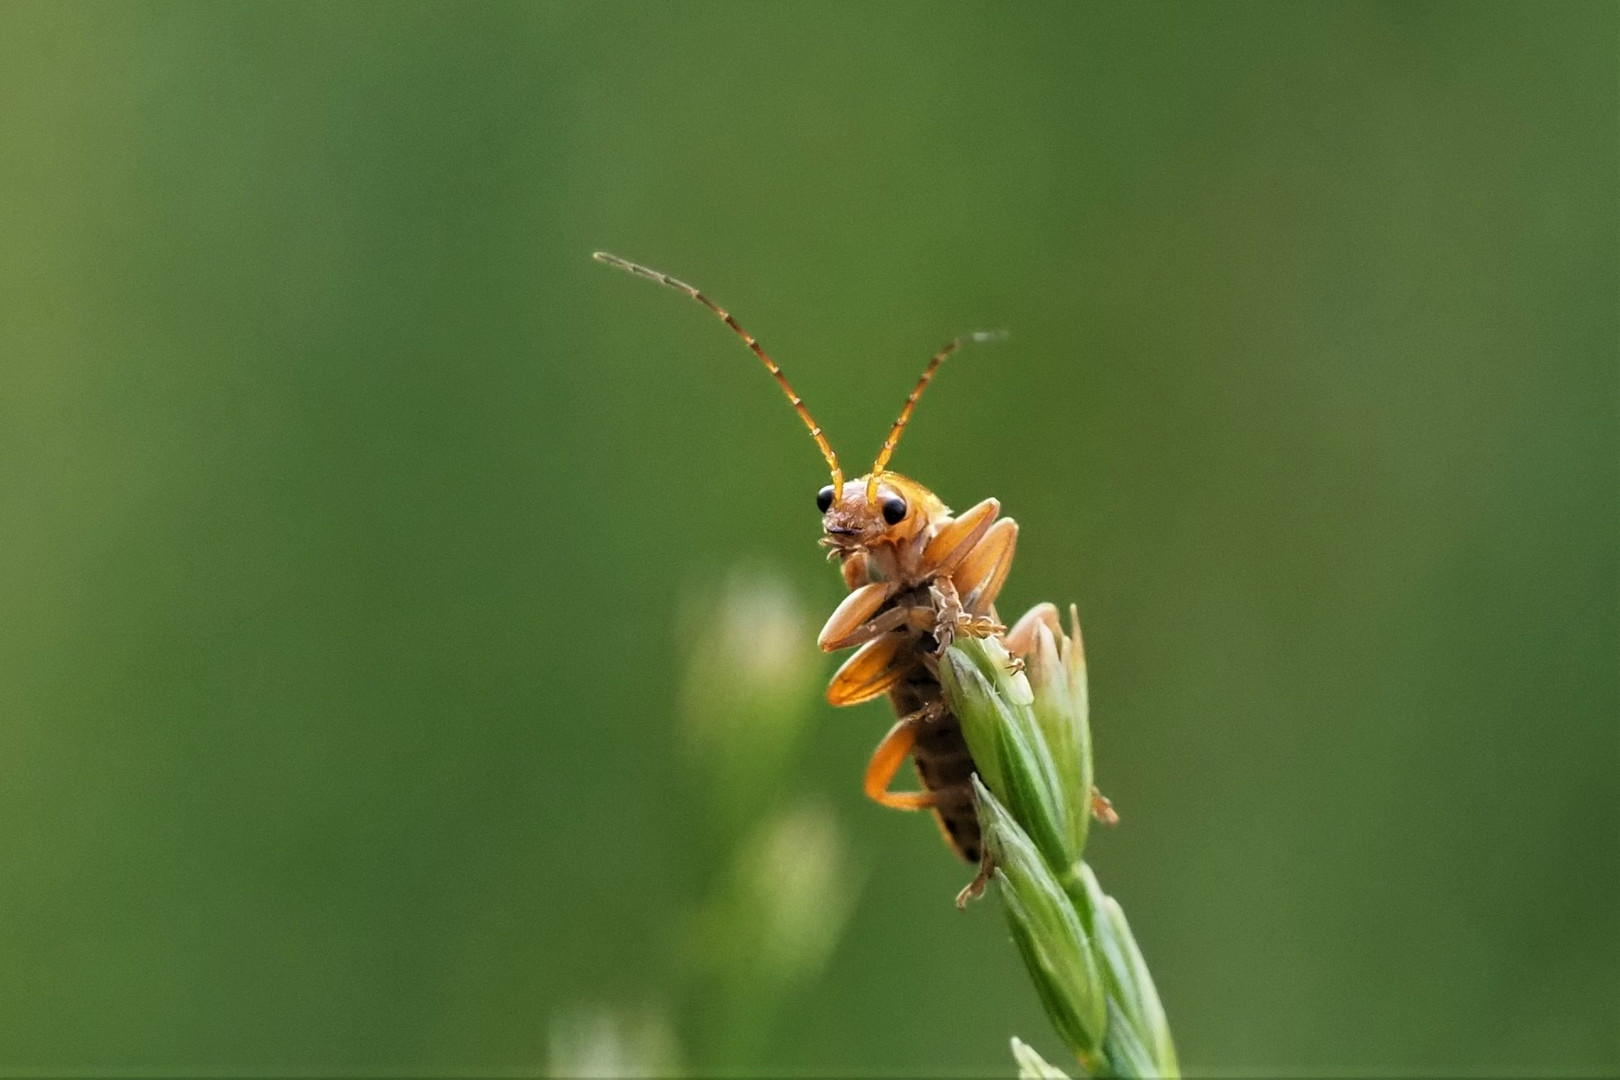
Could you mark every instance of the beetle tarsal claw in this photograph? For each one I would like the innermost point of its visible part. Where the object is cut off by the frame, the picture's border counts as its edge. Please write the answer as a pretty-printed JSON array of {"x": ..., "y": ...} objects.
[
  {"x": 979, "y": 626},
  {"x": 975, "y": 888},
  {"x": 1102, "y": 808}
]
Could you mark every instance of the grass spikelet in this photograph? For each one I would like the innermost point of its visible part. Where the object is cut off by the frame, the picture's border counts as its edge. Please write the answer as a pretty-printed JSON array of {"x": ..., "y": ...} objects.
[{"x": 1029, "y": 732}]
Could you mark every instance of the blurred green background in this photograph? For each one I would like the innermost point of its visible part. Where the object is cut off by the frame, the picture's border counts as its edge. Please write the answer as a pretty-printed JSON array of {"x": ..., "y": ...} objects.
[{"x": 348, "y": 510}]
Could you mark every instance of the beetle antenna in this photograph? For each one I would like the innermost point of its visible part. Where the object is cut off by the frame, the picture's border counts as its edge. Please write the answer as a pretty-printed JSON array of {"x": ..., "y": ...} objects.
[
  {"x": 748, "y": 339},
  {"x": 893, "y": 439}
]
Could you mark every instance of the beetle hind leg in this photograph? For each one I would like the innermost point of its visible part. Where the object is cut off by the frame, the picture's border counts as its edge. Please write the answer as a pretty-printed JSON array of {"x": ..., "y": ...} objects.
[
  {"x": 890, "y": 754},
  {"x": 975, "y": 888}
]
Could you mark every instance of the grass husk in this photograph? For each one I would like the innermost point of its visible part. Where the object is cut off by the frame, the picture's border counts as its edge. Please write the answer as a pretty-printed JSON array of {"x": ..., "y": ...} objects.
[{"x": 1029, "y": 732}]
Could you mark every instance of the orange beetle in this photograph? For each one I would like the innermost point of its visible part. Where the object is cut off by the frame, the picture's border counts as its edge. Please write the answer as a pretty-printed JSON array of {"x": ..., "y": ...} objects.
[{"x": 918, "y": 577}]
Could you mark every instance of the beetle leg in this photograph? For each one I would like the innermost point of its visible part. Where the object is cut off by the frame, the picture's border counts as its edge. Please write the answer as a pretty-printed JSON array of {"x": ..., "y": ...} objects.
[
  {"x": 874, "y": 668},
  {"x": 893, "y": 619},
  {"x": 950, "y": 619},
  {"x": 952, "y": 543},
  {"x": 975, "y": 888},
  {"x": 1102, "y": 808},
  {"x": 890, "y": 754},
  {"x": 911, "y": 617},
  {"x": 845, "y": 625},
  {"x": 983, "y": 571}
]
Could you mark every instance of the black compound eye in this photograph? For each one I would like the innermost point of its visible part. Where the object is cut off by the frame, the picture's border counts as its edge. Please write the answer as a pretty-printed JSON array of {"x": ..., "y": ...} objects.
[
  {"x": 894, "y": 509},
  {"x": 824, "y": 499}
]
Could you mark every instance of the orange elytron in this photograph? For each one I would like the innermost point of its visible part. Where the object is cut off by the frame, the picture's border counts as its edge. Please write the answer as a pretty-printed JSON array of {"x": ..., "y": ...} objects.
[{"x": 918, "y": 577}]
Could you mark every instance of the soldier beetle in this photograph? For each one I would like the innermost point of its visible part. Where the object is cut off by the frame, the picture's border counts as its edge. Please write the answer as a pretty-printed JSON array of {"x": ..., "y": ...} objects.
[{"x": 919, "y": 576}]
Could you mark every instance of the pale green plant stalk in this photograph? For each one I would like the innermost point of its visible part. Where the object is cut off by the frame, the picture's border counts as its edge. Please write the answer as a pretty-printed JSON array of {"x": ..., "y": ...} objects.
[{"x": 1030, "y": 736}]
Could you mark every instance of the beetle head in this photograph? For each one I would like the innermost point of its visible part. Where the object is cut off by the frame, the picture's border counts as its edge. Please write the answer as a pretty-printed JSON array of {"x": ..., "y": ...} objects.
[{"x": 851, "y": 520}]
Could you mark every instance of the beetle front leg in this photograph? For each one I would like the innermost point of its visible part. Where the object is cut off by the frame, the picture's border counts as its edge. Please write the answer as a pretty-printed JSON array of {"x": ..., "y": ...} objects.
[
  {"x": 860, "y": 618},
  {"x": 951, "y": 619},
  {"x": 893, "y": 619},
  {"x": 858, "y": 607}
]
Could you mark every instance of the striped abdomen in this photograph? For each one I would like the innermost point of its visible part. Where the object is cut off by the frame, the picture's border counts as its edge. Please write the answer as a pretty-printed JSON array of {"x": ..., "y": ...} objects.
[{"x": 941, "y": 755}]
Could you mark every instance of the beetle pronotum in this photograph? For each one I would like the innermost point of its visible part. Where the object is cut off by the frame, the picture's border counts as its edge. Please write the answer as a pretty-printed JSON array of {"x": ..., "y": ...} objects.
[{"x": 918, "y": 576}]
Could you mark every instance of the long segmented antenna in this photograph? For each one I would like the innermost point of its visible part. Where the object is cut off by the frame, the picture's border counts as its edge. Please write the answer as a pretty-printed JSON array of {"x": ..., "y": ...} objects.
[
  {"x": 770, "y": 365},
  {"x": 893, "y": 439}
]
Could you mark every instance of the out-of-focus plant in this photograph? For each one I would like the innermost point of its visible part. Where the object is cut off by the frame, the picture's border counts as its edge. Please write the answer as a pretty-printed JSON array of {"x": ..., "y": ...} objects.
[
  {"x": 747, "y": 687},
  {"x": 1030, "y": 736},
  {"x": 767, "y": 927},
  {"x": 776, "y": 903},
  {"x": 603, "y": 1042},
  {"x": 771, "y": 916}
]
